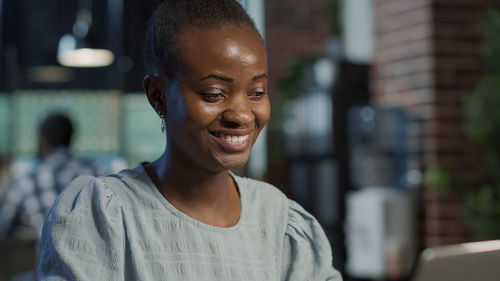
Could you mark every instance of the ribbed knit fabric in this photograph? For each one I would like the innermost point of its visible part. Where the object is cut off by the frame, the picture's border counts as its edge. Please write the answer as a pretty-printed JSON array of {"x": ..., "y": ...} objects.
[{"x": 120, "y": 227}]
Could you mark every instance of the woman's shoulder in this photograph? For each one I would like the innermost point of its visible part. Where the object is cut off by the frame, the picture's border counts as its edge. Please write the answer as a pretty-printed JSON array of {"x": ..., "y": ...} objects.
[
  {"x": 86, "y": 192},
  {"x": 83, "y": 222},
  {"x": 301, "y": 223},
  {"x": 102, "y": 191}
]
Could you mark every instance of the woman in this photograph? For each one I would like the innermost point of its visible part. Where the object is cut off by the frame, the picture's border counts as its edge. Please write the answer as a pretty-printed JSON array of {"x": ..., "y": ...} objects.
[{"x": 185, "y": 216}]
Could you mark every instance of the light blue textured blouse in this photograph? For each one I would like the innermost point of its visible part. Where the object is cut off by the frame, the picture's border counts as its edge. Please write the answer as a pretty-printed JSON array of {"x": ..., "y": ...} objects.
[{"x": 120, "y": 227}]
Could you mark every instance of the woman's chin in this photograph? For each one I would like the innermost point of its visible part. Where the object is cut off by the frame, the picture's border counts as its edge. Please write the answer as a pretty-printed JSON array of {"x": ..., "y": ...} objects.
[{"x": 232, "y": 161}]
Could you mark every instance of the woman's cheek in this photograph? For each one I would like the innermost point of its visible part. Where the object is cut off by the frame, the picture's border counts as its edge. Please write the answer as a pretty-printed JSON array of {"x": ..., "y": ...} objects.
[{"x": 263, "y": 113}]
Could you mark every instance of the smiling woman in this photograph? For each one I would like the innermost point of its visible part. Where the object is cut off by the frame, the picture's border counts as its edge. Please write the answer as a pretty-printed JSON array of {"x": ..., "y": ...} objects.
[
  {"x": 217, "y": 104},
  {"x": 185, "y": 216}
]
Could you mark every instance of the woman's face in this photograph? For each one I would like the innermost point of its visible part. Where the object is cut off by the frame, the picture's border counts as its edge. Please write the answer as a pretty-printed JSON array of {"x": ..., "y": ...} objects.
[{"x": 219, "y": 104}]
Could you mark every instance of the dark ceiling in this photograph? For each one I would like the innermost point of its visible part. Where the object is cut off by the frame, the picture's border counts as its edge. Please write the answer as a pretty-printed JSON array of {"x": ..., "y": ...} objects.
[{"x": 31, "y": 29}]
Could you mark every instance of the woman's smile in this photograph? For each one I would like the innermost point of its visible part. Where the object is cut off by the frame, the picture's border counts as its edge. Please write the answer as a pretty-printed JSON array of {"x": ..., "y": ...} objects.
[{"x": 232, "y": 140}]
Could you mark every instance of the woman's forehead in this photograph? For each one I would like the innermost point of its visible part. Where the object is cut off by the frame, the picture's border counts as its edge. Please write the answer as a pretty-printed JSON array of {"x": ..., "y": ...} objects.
[
  {"x": 229, "y": 47},
  {"x": 207, "y": 38}
]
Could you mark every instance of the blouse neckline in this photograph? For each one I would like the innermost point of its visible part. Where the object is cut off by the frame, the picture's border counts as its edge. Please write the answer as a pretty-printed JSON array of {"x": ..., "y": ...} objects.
[{"x": 141, "y": 170}]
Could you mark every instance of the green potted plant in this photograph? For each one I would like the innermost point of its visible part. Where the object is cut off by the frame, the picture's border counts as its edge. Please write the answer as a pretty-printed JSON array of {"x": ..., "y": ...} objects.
[{"x": 482, "y": 123}]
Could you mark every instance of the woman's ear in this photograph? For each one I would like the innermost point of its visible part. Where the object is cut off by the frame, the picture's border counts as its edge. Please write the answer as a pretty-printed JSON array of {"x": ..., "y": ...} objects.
[{"x": 154, "y": 87}]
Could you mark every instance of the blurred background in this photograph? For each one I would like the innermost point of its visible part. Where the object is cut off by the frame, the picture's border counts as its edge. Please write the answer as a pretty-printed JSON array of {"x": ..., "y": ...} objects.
[{"x": 385, "y": 114}]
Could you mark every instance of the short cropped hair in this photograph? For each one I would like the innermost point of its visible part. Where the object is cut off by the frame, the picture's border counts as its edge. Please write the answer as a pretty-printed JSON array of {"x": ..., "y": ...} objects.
[
  {"x": 161, "y": 55},
  {"x": 56, "y": 130}
]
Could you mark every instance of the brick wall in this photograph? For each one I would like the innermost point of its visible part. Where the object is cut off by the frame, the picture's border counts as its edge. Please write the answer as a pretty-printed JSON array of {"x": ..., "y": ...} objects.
[{"x": 426, "y": 60}]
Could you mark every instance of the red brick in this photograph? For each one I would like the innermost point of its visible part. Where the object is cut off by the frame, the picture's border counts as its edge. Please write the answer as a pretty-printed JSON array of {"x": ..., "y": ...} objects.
[
  {"x": 405, "y": 98},
  {"x": 401, "y": 21},
  {"x": 402, "y": 51},
  {"x": 405, "y": 35},
  {"x": 395, "y": 7},
  {"x": 406, "y": 66},
  {"x": 406, "y": 84}
]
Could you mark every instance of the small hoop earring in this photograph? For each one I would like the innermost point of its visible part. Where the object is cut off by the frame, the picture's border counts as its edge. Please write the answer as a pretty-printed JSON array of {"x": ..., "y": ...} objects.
[{"x": 162, "y": 117}]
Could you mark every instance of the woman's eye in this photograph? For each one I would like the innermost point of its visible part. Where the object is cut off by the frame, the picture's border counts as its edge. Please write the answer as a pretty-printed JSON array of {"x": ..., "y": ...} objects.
[
  {"x": 257, "y": 95},
  {"x": 212, "y": 97}
]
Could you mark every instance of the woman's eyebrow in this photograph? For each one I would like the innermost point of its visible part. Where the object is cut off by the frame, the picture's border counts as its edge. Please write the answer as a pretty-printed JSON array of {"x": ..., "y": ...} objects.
[
  {"x": 228, "y": 79},
  {"x": 223, "y": 78},
  {"x": 255, "y": 78}
]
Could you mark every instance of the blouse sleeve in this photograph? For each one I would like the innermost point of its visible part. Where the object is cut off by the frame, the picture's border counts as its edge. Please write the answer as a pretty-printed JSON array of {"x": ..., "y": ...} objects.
[
  {"x": 81, "y": 238},
  {"x": 306, "y": 250}
]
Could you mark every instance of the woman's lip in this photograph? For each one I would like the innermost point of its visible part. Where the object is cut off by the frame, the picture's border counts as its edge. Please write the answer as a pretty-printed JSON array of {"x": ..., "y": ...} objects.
[
  {"x": 232, "y": 140},
  {"x": 231, "y": 132}
]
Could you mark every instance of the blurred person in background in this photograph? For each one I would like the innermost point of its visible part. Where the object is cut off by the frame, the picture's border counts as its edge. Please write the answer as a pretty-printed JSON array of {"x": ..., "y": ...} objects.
[{"x": 27, "y": 200}]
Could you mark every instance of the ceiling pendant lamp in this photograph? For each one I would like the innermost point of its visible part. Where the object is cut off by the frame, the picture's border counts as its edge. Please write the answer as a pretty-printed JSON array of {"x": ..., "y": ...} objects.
[{"x": 74, "y": 49}]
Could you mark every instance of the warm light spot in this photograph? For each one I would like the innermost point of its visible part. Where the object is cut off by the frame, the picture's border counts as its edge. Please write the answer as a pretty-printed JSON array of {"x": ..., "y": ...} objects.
[
  {"x": 86, "y": 58},
  {"x": 235, "y": 50}
]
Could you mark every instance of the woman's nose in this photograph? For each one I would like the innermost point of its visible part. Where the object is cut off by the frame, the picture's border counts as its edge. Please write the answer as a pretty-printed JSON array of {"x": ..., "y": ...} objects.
[{"x": 238, "y": 112}]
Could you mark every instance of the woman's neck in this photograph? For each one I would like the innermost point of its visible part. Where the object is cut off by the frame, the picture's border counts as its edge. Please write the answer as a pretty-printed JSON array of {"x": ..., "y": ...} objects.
[{"x": 209, "y": 197}]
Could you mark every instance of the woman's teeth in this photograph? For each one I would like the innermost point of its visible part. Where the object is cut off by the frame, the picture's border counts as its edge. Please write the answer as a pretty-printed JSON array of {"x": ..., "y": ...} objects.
[{"x": 233, "y": 139}]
